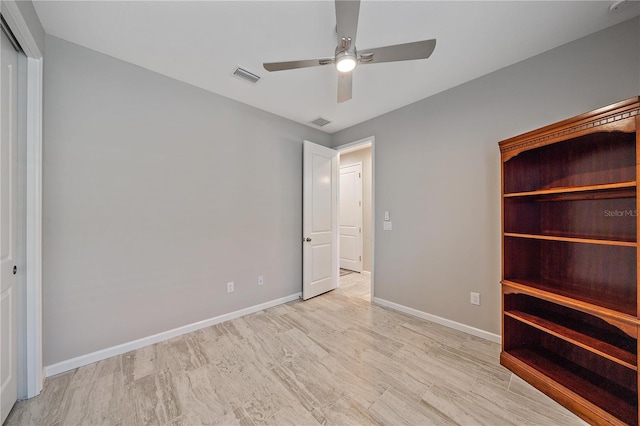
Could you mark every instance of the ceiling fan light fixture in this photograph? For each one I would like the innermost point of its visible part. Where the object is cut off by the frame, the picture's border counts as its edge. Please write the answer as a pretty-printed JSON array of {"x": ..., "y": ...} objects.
[
  {"x": 346, "y": 57},
  {"x": 346, "y": 61}
]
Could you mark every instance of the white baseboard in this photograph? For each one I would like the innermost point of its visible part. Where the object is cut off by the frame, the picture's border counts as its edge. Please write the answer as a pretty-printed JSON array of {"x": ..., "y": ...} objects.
[
  {"x": 70, "y": 364},
  {"x": 439, "y": 320},
  {"x": 368, "y": 273}
]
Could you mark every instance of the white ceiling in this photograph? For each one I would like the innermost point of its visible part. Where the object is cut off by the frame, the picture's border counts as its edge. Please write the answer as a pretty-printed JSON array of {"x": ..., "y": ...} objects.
[{"x": 202, "y": 42}]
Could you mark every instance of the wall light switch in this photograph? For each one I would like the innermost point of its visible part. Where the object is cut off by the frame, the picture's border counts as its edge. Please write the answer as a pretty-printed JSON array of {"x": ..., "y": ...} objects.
[
  {"x": 387, "y": 226},
  {"x": 386, "y": 216}
]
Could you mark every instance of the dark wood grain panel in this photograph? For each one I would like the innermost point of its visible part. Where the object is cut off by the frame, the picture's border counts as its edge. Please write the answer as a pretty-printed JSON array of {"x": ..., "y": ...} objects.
[
  {"x": 606, "y": 218},
  {"x": 598, "y": 274}
]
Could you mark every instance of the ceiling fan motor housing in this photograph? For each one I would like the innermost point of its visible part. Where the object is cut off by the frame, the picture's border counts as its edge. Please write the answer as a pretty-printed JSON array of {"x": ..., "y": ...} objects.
[{"x": 346, "y": 60}]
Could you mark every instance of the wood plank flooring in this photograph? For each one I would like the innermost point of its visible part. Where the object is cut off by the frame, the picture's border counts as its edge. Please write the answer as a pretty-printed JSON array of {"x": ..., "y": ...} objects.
[{"x": 332, "y": 360}]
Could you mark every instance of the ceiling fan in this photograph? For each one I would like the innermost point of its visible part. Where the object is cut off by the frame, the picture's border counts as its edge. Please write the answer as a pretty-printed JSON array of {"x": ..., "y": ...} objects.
[{"x": 347, "y": 57}]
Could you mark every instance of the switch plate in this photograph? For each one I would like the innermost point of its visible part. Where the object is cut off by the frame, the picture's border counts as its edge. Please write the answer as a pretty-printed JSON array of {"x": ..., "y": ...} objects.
[
  {"x": 386, "y": 216},
  {"x": 475, "y": 298},
  {"x": 387, "y": 226},
  {"x": 260, "y": 280},
  {"x": 230, "y": 287}
]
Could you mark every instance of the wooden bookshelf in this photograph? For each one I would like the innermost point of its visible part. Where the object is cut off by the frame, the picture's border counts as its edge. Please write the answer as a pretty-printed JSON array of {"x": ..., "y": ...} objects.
[{"x": 570, "y": 261}]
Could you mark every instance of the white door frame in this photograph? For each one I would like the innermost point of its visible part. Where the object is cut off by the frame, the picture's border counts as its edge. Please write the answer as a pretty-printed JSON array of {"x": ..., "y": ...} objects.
[
  {"x": 30, "y": 337},
  {"x": 354, "y": 146}
]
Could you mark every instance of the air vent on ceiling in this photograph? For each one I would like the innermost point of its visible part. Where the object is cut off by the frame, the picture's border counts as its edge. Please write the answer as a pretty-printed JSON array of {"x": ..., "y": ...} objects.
[
  {"x": 320, "y": 121},
  {"x": 246, "y": 75}
]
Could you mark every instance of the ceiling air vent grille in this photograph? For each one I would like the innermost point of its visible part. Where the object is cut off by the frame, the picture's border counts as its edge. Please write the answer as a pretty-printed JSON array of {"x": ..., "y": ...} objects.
[
  {"x": 320, "y": 121},
  {"x": 246, "y": 75}
]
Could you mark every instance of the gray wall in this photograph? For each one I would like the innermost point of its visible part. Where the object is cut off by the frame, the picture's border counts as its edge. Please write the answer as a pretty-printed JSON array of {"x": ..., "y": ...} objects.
[
  {"x": 157, "y": 193},
  {"x": 438, "y": 169},
  {"x": 363, "y": 156}
]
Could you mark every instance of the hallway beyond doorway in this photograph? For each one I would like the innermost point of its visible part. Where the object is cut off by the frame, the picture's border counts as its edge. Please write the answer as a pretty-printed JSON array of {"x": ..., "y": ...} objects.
[{"x": 354, "y": 284}]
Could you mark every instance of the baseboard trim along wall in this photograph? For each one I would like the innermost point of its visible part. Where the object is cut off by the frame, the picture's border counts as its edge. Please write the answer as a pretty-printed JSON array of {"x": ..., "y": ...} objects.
[
  {"x": 439, "y": 320},
  {"x": 70, "y": 364}
]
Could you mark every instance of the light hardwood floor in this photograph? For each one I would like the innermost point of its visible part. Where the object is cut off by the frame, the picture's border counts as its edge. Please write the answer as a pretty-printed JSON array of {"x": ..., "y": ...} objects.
[{"x": 332, "y": 360}]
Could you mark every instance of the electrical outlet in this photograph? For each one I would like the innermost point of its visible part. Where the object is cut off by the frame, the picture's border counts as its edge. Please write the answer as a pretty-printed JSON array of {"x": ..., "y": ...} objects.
[
  {"x": 475, "y": 298},
  {"x": 387, "y": 226},
  {"x": 230, "y": 287},
  {"x": 260, "y": 280}
]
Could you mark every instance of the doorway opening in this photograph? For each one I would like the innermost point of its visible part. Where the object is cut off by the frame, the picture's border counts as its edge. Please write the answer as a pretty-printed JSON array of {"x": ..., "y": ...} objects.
[{"x": 356, "y": 218}]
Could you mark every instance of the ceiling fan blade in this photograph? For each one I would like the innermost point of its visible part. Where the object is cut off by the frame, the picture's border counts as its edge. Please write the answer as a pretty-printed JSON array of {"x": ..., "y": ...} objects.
[
  {"x": 399, "y": 52},
  {"x": 292, "y": 65},
  {"x": 344, "y": 86},
  {"x": 347, "y": 12}
]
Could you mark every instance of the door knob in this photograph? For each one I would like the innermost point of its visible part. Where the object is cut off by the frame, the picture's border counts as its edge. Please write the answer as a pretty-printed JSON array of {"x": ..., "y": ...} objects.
[
  {"x": 15, "y": 269},
  {"x": 307, "y": 240}
]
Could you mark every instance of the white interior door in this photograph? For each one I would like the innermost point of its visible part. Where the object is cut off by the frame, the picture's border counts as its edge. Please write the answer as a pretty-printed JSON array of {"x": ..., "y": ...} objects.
[
  {"x": 350, "y": 217},
  {"x": 319, "y": 220},
  {"x": 8, "y": 226}
]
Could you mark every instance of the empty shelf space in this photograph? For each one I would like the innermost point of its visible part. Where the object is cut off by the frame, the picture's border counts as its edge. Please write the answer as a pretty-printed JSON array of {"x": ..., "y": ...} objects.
[
  {"x": 597, "y": 221},
  {"x": 588, "y": 162},
  {"x": 594, "y": 302},
  {"x": 599, "y": 274},
  {"x": 616, "y": 400},
  {"x": 589, "y": 343}
]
